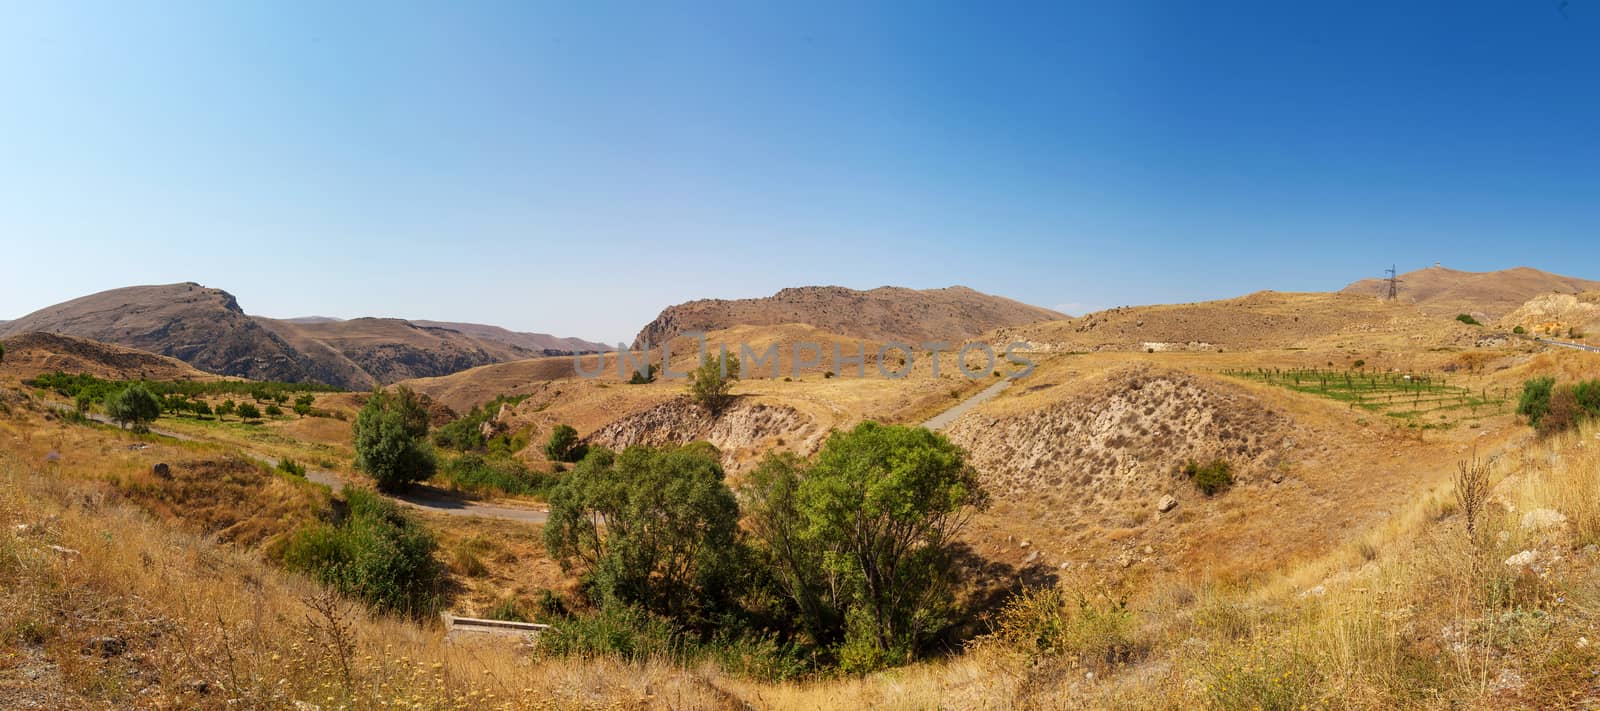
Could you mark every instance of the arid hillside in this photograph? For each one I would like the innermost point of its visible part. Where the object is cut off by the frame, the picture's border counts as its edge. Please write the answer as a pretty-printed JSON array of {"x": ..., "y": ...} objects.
[
  {"x": 1441, "y": 291},
  {"x": 542, "y": 343},
  {"x": 206, "y": 328},
  {"x": 886, "y": 313},
  {"x": 366, "y": 351},
  {"x": 1263, "y": 320},
  {"x": 1567, "y": 316},
  {"x": 31, "y": 354},
  {"x": 200, "y": 326}
]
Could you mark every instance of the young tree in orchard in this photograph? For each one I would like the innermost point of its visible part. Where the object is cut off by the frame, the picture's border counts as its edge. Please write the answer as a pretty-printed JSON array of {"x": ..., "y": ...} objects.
[
  {"x": 391, "y": 440},
  {"x": 711, "y": 384},
  {"x": 134, "y": 405}
]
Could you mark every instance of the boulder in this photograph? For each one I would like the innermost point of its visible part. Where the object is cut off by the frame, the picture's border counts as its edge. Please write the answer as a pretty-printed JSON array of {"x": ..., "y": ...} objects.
[
  {"x": 161, "y": 470},
  {"x": 1167, "y": 503}
]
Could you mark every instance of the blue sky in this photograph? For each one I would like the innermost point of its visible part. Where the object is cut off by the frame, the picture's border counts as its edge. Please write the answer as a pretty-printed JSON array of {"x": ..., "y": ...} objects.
[{"x": 573, "y": 168}]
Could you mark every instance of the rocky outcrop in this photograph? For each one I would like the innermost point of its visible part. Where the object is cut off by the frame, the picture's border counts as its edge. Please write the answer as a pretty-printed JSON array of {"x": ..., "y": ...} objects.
[{"x": 742, "y": 432}]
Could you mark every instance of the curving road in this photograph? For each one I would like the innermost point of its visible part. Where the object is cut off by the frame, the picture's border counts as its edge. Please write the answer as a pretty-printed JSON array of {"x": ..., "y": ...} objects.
[
  {"x": 1564, "y": 344},
  {"x": 441, "y": 503}
]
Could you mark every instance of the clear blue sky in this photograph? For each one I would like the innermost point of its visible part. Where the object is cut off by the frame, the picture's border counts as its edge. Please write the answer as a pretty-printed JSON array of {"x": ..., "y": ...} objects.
[{"x": 574, "y": 168}]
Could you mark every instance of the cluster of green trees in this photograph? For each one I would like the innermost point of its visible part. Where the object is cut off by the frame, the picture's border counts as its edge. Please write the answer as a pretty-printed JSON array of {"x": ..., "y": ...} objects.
[
  {"x": 846, "y": 560},
  {"x": 73, "y": 384},
  {"x": 1551, "y": 408}
]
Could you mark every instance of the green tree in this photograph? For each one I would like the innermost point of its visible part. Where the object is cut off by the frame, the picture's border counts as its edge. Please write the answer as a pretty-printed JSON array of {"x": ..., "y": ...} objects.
[
  {"x": 390, "y": 440},
  {"x": 134, "y": 405},
  {"x": 249, "y": 411},
  {"x": 711, "y": 384},
  {"x": 861, "y": 540},
  {"x": 227, "y": 407},
  {"x": 651, "y": 527},
  {"x": 302, "y": 404},
  {"x": 563, "y": 445},
  {"x": 81, "y": 404},
  {"x": 273, "y": 410},
  {"x": 200, "y": 408}
]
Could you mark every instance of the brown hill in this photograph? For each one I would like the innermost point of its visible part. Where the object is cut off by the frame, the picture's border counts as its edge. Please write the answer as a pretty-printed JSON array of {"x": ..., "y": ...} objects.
[
  {"x": 365, "y": 351},
  {"x": 206, "y": 328},
  {"x": 886, "y": 313},
  {"x": 542, "y": 343},
  {"x": 1440, "y": 291},
  {"x": 1263, "y": 320},
  {"x": 31, "y": 354},
  {"x": 202, "y": 327}
]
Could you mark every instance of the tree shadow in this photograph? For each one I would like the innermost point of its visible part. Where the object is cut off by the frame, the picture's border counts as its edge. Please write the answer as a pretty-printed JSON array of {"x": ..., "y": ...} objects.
[{"x": 986, "y": 584}]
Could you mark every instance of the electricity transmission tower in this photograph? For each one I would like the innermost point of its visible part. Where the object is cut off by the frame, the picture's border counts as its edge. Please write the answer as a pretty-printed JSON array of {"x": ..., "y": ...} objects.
[{"x": 1394, "y": 283}]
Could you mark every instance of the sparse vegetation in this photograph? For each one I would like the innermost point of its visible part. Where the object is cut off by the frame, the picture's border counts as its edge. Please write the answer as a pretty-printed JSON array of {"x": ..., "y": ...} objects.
[
  {"x": 467, "y": 432},
  {"x": 291, "y": 467},
  {"x": 1468, "y": 319},
  {"x": 643, "y": 378},
  {"x": 478, "y": 474}
]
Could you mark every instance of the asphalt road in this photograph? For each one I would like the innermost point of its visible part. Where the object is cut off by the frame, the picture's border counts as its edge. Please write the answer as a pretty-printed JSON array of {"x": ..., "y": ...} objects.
[{"x": 1576, "y": 346}]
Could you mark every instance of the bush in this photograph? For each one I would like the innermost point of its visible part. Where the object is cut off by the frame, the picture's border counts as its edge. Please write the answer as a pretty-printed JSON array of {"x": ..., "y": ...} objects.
[
  {"x": 644, "y": 378},
  {"x": 227, "y": 407},
  {"x": 273, "y": 411},
  {"x": 615, "y": 630},
  {"x": 1210, "y": 478},
  {"x": 1096, "y": 630},
  {"x": 290, "y": 466},
  {"x": 1563, "y": 413},
  {"x": 1535, "y": 400},
  {"x": 389, "y": 441},
  {"x": 466, "y": 433},
  {"x": 302, "y": 404},
  {"x": 248, "y": 411},
  {"x": 1519, "y": 330},
  {"x": 134, "y": 405},
  {"x": 563, "y": 445},
  {"x": 1468, "y": 319},
  {"x": 492, "y": 475},
  {"x": 378, "y": 554}
]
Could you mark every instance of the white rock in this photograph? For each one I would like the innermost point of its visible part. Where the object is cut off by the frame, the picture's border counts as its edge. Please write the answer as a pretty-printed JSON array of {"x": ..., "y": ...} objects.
[
  {"x": 1523, "y": 559},
  {"x": 1166, "y": 504},
  {"x": 1543, "y": 519}
]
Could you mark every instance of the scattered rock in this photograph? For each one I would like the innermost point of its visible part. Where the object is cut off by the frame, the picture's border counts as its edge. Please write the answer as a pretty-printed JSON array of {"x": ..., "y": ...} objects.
[
  {"x": 1031, "y": 558},
  {"x": 1508, "y": 680},
  {"x": 1149, "y": 550},
  {"x": 68, "y": 552},
  {"x": 1523, "y": 559},
  {"x": 1025, "y": 543},
  {"x": 105, "y": 646},
  {"x": 1167, "y": 503},
  {"x": 161, "y": 470},
  {"x": 1543, "y": 519},
  {"x": 1064, "y": 565}
]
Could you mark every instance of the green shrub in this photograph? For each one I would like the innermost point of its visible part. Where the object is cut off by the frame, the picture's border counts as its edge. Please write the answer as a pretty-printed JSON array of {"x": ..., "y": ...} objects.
[
  {"x": 1095, "y": 630},
  {"x": 1519, "y": 330},
  {"x": 615, "y": 630},
  {"x": 273, "y": 411},
  {"x": 477, "y": 474},
  {"x": 563, "y": 445},
  {"x": 290, "y": 466},
  {"x": 1209, "y": 478},
  {"x": 711, "y": 384},
  {"x": 643, "y": 378},
  {"x": 378, "y": 554},
  {"x": 465, "y": 433},
  {"x": 1535, "y": 400},
  {"x": 248, "y": 411},
  {"x": 1468, "y": 319},
  {"x": 507, "y": 609}
]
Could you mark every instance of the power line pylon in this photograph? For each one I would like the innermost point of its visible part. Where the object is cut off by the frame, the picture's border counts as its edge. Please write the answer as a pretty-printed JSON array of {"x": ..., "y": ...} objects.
[{"x": 1394, "y": 283}]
